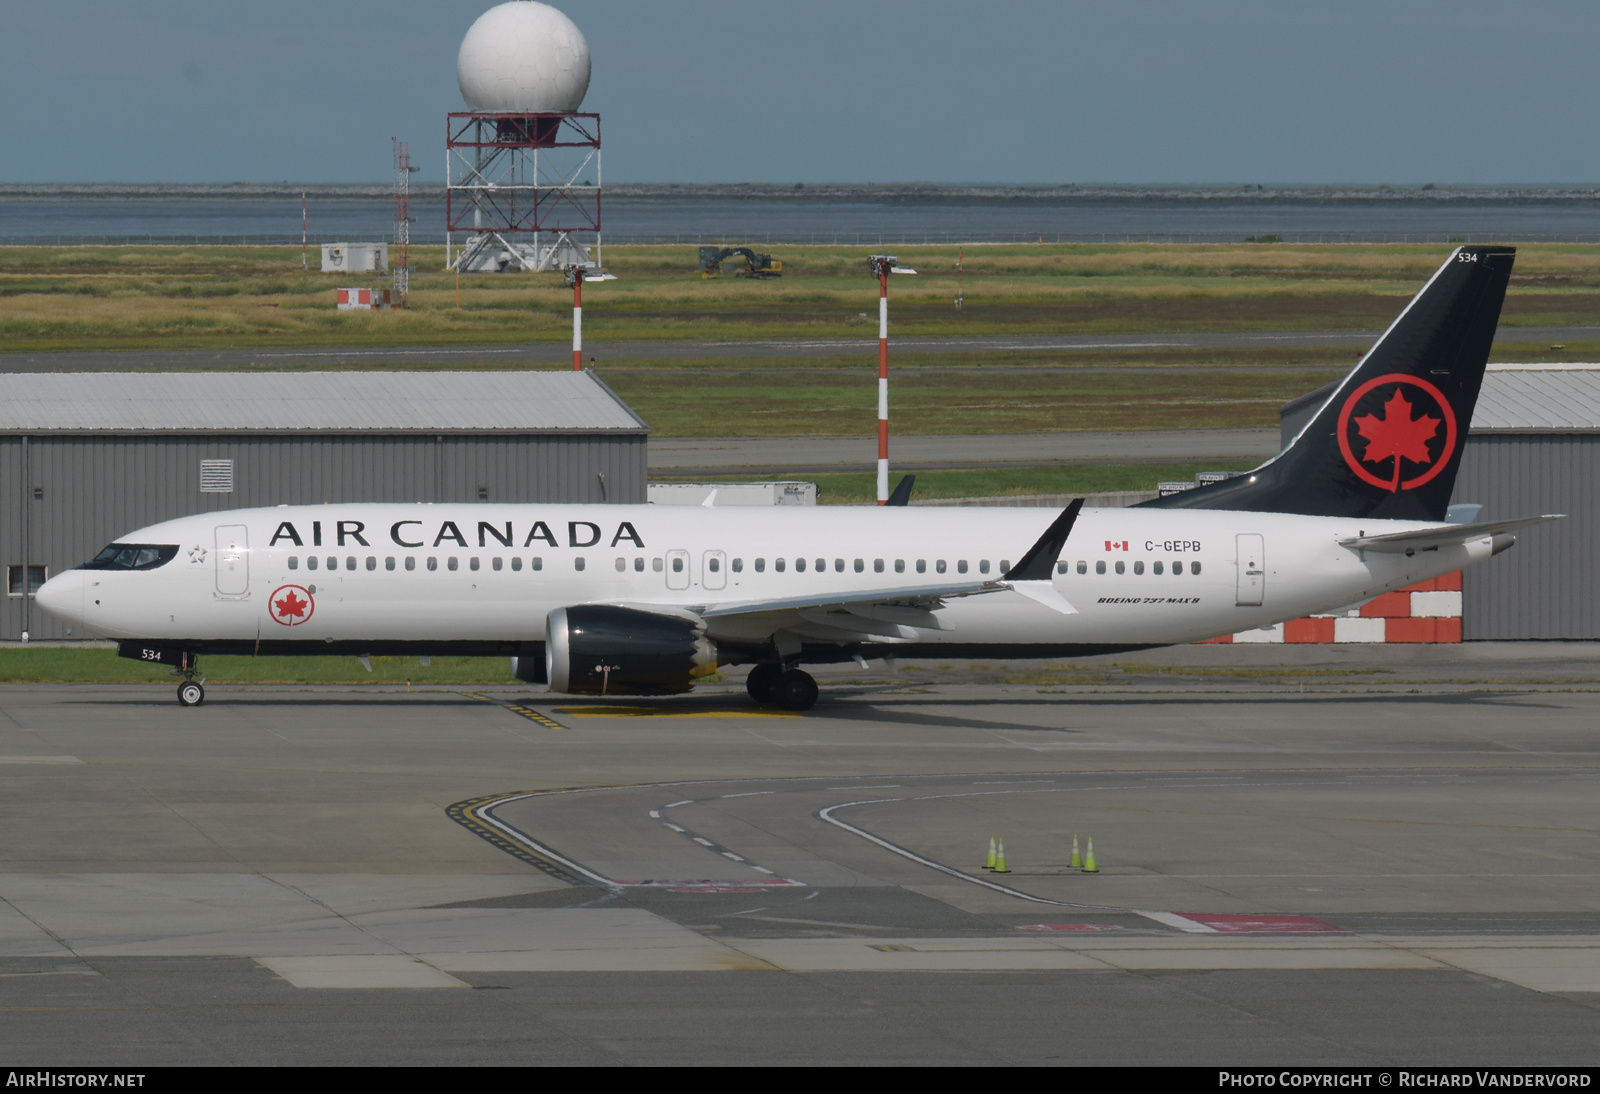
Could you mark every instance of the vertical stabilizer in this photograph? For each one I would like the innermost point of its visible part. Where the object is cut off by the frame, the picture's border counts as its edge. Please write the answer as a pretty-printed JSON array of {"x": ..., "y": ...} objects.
[{"x": 1388, "y": 441}]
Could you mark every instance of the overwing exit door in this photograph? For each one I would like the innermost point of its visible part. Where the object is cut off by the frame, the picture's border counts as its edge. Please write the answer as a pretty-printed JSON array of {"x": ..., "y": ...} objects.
[
  {"x": 1252, "y": 583},
  {"x": 677, "y": 569}
]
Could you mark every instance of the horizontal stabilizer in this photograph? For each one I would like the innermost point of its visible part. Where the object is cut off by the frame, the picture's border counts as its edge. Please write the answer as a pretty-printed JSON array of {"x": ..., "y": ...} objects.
[{"x": 1450, "y": 535}]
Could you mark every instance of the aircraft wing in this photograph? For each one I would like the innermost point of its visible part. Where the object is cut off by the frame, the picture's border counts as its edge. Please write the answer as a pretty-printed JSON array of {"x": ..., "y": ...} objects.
[
  {"x": 897, "y": 613},
  {"x": 1447, "y": 535}
]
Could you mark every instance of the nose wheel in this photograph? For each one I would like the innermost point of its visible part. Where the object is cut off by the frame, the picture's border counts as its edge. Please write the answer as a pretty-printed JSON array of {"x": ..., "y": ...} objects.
[{"x": 191, "y": 694}]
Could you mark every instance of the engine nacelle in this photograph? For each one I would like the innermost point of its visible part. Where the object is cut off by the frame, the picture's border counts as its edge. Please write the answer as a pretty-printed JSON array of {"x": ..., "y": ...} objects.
[
  {"x": 597, "y": 649},
  {"x": 530, "y": 670}
]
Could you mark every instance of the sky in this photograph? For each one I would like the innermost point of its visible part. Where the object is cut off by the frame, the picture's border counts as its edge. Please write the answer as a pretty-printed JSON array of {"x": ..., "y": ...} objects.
[{"x": 1008, "y": 91}]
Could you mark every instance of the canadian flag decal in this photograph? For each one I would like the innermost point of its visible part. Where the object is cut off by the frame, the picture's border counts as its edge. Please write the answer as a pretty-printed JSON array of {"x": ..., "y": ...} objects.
[{"x": 1116, "y": 545}]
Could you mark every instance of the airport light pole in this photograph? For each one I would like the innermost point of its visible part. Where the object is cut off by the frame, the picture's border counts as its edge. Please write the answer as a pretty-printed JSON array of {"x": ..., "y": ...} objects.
[
  {"x": 576, "y": 276},
  {"x": 882, "y": 266}
]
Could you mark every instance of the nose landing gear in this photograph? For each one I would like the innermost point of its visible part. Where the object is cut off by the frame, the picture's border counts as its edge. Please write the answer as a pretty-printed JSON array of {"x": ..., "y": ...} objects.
[{"x": 191, "y": 693}]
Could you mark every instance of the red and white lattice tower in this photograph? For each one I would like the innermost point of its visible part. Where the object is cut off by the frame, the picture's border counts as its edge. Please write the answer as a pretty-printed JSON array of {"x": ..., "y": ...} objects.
[
  {"x": 400, "y": 260},
  {"x": 522, "y": 167}
]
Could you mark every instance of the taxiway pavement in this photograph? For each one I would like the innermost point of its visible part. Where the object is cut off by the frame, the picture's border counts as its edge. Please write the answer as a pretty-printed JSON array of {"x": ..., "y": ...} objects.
[
  {"x": 1306, "y": 856},
  {"x": 556, "y": 353}
]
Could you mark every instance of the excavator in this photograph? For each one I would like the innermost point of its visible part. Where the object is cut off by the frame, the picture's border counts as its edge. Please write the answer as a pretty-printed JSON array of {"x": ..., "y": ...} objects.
[{"x": 756, "y": 266}]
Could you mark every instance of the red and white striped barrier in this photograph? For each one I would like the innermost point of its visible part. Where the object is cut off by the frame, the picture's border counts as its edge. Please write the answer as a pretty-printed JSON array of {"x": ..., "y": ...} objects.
[
  {"x": 1429, "y": 611},
  {"x": 363, "y": 299}
]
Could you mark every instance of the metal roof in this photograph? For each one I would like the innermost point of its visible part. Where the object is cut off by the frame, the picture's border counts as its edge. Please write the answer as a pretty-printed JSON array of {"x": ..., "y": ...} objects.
[
  {"x": 1538, "y": 398},
  {"x": 317, "y": 402}
]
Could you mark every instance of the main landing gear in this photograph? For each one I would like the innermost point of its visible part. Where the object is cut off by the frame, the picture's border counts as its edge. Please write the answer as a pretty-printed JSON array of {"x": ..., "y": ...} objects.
[
  {"x": 790, "y": 689},
  {"x": 191, "y": 693}
]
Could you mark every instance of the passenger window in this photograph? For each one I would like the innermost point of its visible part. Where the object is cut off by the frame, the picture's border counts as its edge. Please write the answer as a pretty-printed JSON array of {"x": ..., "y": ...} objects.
[
  {"x": 738, "y": 565},
  {"x": 1155, "y": 568},
  {"x": 715, "y": 565},
  {"x": 799, "y": 566},
  {"x": 939, "y": 566},
  {"x": 655, "y": 564},
  {"x": 453, "y": 563},
  {"x": 1194, "y": 567},
  {"x": 761, "y": 565},
  {"x": 578, "y": 563},
  {"x": 638, "y": 564},
  {"x": 961, "y": 567},
  {"x": 1122, "y": 567},
  {"x": 899, "y": 565},
  {"x": 516, "y": 564},
  {"x": 1061, "y": 567},
  {"x": 311, "y": 562},
  {"x": 537, "y": 563},
  {"x": 677, "y": 565},
  {"x": 388, "y": 562},
  {"x": 877, "y": 565},
  {"x": 778, "y": 564},
  {"x": 1005, "y": 566},
  {"x": 349, "y": 562},
  {"x": 1177, "y": 566},
  {"x": 622, "y": 565},
  {"x": 372, "y": 562},
  {"x": 497, "y": 563},
  {"x": 822, "y": 564},
  {"x": 861, "y": 566},
  {"x": 983, "y": 566},
  {"x": 472, "y": 563},
  {"x": 411, "y": 562},
  {"x": 333, "y": 563},
  {"x": 1100, "y": 567},
  {"x": 1138, "y": 567},
  {"x": 922, "y": 565},
  {"x": 433, "y": 563},
  {"x": 294, "y": 562},
  {"x": 1083, "y": 567}
]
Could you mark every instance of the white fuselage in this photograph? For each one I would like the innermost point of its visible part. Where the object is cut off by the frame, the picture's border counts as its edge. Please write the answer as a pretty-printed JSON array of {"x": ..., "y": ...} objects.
[{"x": 449, "y": 573}]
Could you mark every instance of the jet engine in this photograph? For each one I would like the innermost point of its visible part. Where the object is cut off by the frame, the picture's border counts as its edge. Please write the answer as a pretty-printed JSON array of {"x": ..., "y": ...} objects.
[{"x": 598, "y": 649}]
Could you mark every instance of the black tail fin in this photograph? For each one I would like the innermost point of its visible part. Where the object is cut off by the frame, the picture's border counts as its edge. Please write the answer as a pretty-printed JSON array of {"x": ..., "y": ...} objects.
[{"x": 1388, "y": 441}]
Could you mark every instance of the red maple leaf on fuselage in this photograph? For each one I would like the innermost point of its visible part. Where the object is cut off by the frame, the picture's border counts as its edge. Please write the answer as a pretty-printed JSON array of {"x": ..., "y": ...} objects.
[
  {"x": 290, "y": 605},
  {"x": 1397, "y": 435}
]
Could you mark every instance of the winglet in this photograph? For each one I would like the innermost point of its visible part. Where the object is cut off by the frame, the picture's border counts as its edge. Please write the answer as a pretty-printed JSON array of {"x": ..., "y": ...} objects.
[
  {"x": 902, "y": 491},
  {"x": 1041, "y": 557}
]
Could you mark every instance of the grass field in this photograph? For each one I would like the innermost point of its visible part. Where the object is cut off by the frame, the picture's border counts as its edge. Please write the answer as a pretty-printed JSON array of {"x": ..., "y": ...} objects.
[
  {"x": 78, "y": 298},
  {"x": 862, "y": 488},
  {"x": 810, "y": 403}
]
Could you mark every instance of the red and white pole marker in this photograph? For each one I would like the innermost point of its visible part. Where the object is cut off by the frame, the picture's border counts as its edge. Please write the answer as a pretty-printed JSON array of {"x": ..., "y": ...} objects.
[
  {"x": 883, "y": 266},
  {"x": 883, "y": 386},
  {"x": 575, "y": 275}
]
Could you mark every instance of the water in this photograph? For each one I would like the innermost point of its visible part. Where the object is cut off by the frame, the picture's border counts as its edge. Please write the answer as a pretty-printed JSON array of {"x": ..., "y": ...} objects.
[{"x": 276, "y": 220}]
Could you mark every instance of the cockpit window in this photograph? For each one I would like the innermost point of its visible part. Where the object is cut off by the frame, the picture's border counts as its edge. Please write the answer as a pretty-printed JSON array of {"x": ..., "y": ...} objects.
[{"x": 133, "y": 556}]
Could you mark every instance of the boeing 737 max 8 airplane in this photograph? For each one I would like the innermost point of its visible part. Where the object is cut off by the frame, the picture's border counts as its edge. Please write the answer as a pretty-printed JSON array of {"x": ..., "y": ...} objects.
[{"x": 640, "y": 599}]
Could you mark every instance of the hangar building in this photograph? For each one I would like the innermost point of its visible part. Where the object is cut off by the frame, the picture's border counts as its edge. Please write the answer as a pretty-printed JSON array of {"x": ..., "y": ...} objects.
[
  {"x": 87, "y": 457},
  {"x": 1534, "y": 447}
]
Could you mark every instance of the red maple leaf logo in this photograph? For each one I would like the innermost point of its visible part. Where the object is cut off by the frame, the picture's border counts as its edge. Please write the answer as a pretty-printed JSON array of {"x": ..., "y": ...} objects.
[
  {"x": 1397, "y": 435},
  {"x": 290, "y": 605}
]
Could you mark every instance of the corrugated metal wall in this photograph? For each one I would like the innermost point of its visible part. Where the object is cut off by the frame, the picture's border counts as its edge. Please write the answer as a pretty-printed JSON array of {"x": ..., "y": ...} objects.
[
  {"x": 1546, "y": 586},
  {"x": 98, "y": 488}
]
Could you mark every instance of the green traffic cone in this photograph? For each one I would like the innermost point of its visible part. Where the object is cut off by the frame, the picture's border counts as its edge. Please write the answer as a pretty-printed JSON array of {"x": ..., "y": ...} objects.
[
  {"x": 1000, "y": 866},
  {"x": 1088, "y": 862},
  {"x": 988, "y": 863},
  {"x": 1077, "y": 859}
]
